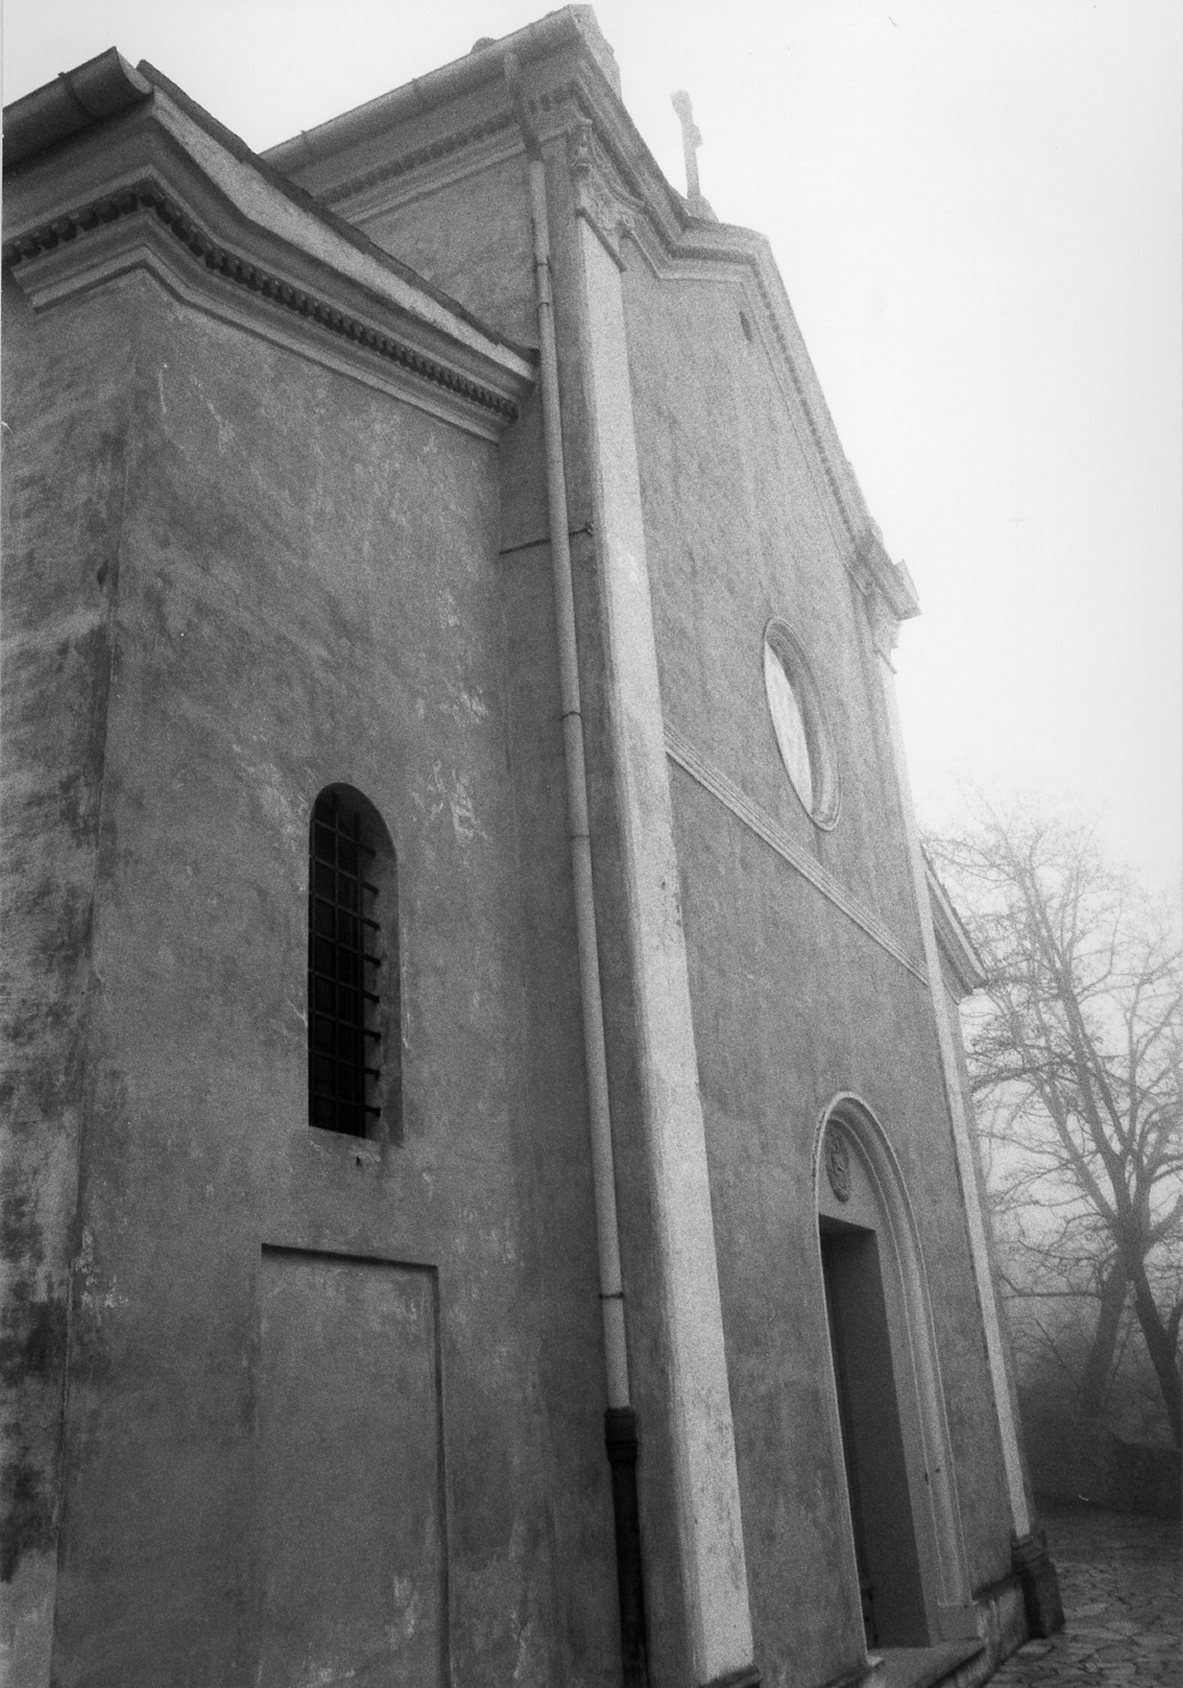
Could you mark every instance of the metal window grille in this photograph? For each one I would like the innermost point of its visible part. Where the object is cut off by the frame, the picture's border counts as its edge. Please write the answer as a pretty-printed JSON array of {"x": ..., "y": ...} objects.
[{"x": 344, "y": 1001}]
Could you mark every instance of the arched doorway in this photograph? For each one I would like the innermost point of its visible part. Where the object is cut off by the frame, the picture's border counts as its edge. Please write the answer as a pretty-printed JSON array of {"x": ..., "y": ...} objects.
[
  {"x": 890, "y": 1433},
  {"x": 874, "y": 1461}
]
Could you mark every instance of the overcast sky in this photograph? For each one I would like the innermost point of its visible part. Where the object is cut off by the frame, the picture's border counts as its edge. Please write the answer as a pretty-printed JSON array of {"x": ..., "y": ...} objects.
[{"x": 976, "y": 207}]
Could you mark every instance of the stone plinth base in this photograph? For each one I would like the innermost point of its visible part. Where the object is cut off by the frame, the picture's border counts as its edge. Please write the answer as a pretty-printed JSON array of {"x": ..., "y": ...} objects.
[{"x": 1040, "y": 1584}]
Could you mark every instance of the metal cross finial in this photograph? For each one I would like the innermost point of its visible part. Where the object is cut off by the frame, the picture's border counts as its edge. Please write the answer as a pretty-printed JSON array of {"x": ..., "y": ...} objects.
[{"x": 691, "y": 141}]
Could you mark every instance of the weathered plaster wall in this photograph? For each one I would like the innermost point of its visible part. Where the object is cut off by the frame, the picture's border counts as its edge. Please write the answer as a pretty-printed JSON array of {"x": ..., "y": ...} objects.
[
  {"x": 471, "y": 237},
  {"x": 311, "y": 593},
  {"x": 319, "y": 584},
  {"x": 65, "y": 450},
  {"x": 793, "y": 1002},
  {"x": 739, "y": 528},
  {"x": 441, "y": 186}
]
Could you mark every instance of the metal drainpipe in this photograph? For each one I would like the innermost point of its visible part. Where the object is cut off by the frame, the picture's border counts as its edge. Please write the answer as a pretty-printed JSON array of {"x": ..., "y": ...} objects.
[{"x": 620, "y": 1419}]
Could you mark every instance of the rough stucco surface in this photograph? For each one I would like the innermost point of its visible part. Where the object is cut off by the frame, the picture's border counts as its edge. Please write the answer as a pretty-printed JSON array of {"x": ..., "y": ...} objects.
[
  {"x": 740, "y": 528},
  {"x": 310, "y": 593},
  {"x": 793, "y": 1003},
  {"x": 338, "y": 1461},
  {"x": 472, "y": 238},
  {"x": 66, "y": 404}
]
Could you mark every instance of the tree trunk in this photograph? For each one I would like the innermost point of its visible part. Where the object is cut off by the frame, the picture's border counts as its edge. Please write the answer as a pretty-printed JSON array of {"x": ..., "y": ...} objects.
[
  {"x": 1098, "y": 1368},
  {"x": 1162, "y": 1355}
]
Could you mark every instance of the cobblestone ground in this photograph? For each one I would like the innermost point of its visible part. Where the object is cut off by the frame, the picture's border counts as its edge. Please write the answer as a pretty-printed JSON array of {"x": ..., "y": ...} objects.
[{"x": 1123, "y": 1606}]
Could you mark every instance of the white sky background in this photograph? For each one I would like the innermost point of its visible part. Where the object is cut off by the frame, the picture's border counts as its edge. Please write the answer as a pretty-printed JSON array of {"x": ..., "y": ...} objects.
[{"x": 976, "y": 207}]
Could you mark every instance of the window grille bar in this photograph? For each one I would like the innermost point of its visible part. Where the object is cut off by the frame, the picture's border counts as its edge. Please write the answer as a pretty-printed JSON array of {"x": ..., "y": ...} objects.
[{"x": 341, "y": 1008}]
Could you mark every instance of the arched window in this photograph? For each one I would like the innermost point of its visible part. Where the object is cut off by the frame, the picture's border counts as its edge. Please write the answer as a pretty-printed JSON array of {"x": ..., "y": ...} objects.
[{"x": 354, "y": 1034}]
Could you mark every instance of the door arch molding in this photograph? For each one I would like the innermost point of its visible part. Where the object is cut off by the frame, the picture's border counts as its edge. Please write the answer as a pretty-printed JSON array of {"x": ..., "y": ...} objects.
[{"x": 878, "y": 1200}]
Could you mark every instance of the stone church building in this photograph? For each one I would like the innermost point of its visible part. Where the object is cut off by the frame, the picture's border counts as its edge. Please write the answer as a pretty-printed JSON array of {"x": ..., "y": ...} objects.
[{"x": 488, "y": 1191}]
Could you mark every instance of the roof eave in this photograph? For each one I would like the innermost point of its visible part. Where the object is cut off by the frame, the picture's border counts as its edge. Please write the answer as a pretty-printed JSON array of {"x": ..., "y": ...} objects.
[
  {"x": 572, "y": 26},
  {"x": 103, "y": 87},
  {"x": 965, "y": 965}
]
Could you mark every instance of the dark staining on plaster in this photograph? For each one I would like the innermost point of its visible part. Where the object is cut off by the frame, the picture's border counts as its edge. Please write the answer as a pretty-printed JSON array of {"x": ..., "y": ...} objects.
[
  {"x": 20, "y": 1234},
  {"x": 32, "y": 1326},
  {"x": 26, "y": 1514},
  {"x": 76, "y": 800},
  {"x": 32, "y": 1347},
  {"x": 35, "y": 1350},
  {"x": 60, "y": 914},
  {"x": 75, "y": 668}
]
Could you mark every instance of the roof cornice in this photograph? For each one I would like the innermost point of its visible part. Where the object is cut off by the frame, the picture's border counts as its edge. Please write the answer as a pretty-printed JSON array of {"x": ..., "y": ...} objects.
[
  {"x": 572, "y": 27},
  {"x": 164, "y": 195},
  {"x": 295, "y": 201}
]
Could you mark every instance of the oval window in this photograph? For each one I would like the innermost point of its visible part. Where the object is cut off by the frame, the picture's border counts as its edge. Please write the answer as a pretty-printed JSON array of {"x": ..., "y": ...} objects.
[{"x": 800, "y": 726}]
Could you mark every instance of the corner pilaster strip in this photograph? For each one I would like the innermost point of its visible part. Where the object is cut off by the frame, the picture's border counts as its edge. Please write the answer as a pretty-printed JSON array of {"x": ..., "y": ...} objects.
[
  {"x": 716, "y": 1610},
  {"x": 884, "y": 620}
]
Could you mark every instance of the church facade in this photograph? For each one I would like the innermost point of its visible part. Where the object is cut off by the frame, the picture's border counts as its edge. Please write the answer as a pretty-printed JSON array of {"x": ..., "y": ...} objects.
[{"x": 489, "y": 1194}]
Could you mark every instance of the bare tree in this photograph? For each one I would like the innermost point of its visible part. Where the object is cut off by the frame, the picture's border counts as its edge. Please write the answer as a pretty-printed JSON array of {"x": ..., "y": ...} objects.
[{"x": 1075, "y": 1064}]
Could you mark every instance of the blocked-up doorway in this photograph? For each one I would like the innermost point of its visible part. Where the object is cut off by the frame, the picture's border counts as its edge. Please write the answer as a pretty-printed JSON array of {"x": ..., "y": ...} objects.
[{"x": 351, "y": 1517}]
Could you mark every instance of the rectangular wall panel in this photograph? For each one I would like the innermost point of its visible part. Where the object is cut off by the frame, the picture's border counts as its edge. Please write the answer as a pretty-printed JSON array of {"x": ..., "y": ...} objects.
[{"x": 351, "y": 1494}]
